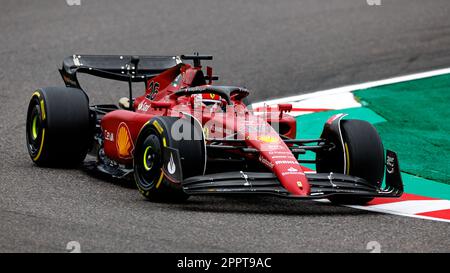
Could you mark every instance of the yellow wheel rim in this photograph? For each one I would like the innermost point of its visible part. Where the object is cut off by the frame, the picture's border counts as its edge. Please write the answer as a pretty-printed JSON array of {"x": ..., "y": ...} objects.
[
  {"x": 34, "y": 131},
  {"x": 146, "y": 167}
]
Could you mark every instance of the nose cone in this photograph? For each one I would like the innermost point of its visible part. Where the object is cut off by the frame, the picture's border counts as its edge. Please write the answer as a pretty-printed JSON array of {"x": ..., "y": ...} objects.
[
  {"x": 277, "y": 157},
  {"x": 289, "y": 172}
]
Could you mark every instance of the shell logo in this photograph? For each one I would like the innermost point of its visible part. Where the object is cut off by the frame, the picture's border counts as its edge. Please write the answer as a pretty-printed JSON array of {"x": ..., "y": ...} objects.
[
  {"x": 212, "y": 95},
  {"x": 268, "y": 139},
  {"x": 124, "y": 142}
]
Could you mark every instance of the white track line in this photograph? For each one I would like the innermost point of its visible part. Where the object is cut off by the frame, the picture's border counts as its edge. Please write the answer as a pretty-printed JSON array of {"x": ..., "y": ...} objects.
[
  {"x": 414, "y": 206},
  {"x": 354, "y": 87},
  {"x": 371, "y": 208},
  {"x": 374, "y": 208}
]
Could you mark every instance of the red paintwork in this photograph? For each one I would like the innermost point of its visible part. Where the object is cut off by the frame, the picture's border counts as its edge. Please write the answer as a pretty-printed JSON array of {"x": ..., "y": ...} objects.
[{"x": 274, "y": 154}]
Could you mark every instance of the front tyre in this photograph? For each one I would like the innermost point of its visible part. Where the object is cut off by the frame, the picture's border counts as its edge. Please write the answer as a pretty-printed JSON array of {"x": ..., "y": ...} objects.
[
  {"x": 154, "y": 137},
  {"x": 364, "y": 154}
]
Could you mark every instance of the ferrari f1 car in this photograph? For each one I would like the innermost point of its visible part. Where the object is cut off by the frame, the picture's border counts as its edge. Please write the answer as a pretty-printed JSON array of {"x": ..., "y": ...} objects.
[{"x": 185, "y": 136}]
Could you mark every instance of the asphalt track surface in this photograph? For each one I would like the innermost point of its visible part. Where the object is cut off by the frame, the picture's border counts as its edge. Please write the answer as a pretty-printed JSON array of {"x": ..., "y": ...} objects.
[{"x": 276, "y": 48}]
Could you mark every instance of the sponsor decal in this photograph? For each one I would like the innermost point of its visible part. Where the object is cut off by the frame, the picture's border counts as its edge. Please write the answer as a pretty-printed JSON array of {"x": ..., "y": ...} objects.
[
  {"x": 271, "y": 147},
  {"x": 212, "y": 95},
  {"x": 293, "y": 171},
  {"x": 280, "y": 162},
  {"x": 268, "y": 139},
  {"x": 171, "y": 167},
  {"x": 124, "y": 142},
  {"x": 281, "y": 156},
  {"x": 299, "y": 184},
  {"x": 280, "y": 153},
  {"x": 265, "y": 162},
  {"x": 109, "y": 136},
  {"x": 390, "y": 164},
  {"x": 143, "y": 106}
]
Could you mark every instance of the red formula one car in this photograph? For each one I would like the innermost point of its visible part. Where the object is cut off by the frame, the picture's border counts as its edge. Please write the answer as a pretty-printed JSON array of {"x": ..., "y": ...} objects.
[{"x": 184, "y": 136}]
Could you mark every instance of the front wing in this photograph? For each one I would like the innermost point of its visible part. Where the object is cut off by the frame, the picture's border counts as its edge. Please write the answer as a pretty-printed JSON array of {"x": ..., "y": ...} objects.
[{"x": 322, "y": 184}]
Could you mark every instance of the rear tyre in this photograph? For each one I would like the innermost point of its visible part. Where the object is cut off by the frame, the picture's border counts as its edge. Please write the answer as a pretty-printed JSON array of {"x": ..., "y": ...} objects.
[
  {"x": 148, "y": 158},
  {"x": 364, "y": 155},
  {"x": 58, "y": 127}
]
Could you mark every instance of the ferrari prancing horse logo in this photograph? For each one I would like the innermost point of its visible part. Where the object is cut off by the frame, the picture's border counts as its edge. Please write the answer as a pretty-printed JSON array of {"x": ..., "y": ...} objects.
[{"x": 124, "y": 142}]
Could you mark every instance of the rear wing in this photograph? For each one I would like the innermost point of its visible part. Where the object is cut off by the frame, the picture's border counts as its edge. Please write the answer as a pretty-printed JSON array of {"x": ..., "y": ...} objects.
[{"x": 115, "y": 67}]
